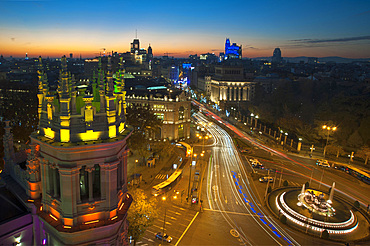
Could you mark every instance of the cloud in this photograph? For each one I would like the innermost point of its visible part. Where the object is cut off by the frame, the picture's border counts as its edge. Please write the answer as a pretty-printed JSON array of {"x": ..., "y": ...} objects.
[
  {"x": 13, "y": 39},
  {"x": 334, "y": 40},
  {"x": 247, "y": 47}
]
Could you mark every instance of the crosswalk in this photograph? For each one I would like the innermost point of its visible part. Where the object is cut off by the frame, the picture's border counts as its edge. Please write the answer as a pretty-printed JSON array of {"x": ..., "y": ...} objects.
[
  {"x": 294, "y": 183},
  {"x": 161, "y": 176},
  {"x": 175, "y": 219}
]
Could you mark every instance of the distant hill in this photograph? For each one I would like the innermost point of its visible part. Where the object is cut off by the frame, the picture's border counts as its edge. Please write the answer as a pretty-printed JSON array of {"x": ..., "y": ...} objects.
[{"x": 298, "y": 59}]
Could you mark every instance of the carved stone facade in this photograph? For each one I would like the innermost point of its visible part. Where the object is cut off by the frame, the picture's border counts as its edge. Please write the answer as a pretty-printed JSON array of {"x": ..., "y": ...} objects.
[
  {"x": 172, "y": 106},
  {"x": 75, "y": 176}
]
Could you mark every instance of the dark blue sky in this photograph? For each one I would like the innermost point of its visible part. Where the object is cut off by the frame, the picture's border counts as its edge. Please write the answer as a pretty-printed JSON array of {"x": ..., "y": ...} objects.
[{"x": 180, "y": 28}]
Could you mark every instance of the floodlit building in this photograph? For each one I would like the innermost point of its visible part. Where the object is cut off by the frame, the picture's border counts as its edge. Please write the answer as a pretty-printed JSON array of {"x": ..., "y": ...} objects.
[
  {"x": 73, "y": 179},
  {"x": 232, "y": 50},
  {"x": 172, "y": 106},
  {"x": 229, "y": 85}
]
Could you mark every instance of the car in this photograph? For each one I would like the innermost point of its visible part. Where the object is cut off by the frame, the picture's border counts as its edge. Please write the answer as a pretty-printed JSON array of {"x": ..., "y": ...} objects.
[
  {"x": 322, "y": 162},
  {"x": 266, "y": 179},
  {"x": 256, "y": 164},
  {"x": 166, "y": 237}
]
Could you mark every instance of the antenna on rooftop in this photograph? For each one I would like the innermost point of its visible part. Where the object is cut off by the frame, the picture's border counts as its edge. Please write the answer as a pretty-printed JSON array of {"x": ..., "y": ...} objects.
[{"x": 136, "y": 33}]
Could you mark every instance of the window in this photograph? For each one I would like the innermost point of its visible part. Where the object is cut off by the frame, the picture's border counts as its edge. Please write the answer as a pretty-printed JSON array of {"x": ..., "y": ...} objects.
[
  {"x": 84, "y": 183},
  {"x": 160, "y": 115},
  {"x": 181, "y": 113}
]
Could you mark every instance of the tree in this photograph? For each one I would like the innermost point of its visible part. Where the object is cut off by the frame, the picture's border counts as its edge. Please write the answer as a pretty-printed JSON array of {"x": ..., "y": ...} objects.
[
  {"x": 334, "y": 150},
  {"x": 145, "y": 124},
  {"x": 355, "y": 140},
  {"x": 364, "y": 153},
  {"x": 141, "y": 214}
]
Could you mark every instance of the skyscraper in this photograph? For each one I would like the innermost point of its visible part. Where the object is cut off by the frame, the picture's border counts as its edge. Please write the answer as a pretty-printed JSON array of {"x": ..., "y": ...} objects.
[
  {"x": 75, "y": 175},
  {"x": 232, "y": 51},
  {"x": 276, "y": 57},
  {"x": 135, "y": 46},
  {"x": 150, "y": 53}
]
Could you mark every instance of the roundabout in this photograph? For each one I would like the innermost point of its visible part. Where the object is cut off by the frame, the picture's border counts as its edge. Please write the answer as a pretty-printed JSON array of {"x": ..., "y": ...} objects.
[{"x": 318, "y": 213}]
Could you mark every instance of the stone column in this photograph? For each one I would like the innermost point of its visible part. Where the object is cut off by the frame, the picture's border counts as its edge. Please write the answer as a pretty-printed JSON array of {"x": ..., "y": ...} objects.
[
  {"x": 67, "y": 196},
  {"x": 90, "y": 170},
  {"x": 239, "y": 93},
  {"x": 103, "y": 181},
  {"x": 54, "y": 177}
]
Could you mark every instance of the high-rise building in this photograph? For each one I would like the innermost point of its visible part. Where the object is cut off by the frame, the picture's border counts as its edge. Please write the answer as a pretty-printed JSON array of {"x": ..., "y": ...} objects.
[
  {"x": 232, "y": 51},
  {"x": 276, "y": 56},
  {"x": 150, "y": 53},
  {"x": 74, "y": 176},
  {"x": 135, "y": 46}
]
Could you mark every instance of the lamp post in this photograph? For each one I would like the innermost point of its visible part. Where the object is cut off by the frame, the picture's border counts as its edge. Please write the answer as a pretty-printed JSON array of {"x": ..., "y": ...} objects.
[
  {"x": 328, "y": 128},
  {"x": 191, "y": 163},
  {"x": 255, "y": 118},
  {"x": 164, "y": 219}
]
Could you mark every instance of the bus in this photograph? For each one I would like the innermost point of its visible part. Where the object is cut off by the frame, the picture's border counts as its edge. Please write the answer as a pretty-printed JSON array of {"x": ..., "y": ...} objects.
[
  {"x": 354, "y": 171},
  {"x": 188, "y": 148},
  {"x": 359, "y": 174},
  {"x": 167, "y": 184}
]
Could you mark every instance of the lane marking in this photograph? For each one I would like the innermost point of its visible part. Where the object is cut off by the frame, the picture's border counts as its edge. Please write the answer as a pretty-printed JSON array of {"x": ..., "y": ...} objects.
[{"x": 187, "y": 228}]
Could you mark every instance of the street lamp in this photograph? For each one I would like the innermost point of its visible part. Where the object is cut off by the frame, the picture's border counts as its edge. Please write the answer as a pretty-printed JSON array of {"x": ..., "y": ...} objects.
[
  {"x": 164, "y": 219},
  {"x": 328, "y": 128},
  {"x": 191, "y": 163}
]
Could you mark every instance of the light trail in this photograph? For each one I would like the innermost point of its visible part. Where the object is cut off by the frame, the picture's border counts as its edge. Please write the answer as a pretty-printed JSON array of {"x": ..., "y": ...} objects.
[
  {"x": 244, "y": 136},
  {"x": 226, "y": 153}
]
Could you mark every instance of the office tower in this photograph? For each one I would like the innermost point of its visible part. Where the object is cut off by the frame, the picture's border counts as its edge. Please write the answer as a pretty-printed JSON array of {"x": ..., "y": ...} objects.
[
  {"x": 276, "y": 57},
  {"x": 232, "y": 51}
]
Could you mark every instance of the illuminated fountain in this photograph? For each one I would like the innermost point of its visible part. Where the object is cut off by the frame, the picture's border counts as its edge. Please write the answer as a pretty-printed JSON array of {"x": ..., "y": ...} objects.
[
  {"x": 315, "y": 211},
  {"x": 315, "y": 201}
]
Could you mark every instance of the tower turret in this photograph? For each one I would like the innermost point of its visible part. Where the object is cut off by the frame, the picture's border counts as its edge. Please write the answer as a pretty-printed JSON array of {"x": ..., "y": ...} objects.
[{"x": 82, "y": 162}]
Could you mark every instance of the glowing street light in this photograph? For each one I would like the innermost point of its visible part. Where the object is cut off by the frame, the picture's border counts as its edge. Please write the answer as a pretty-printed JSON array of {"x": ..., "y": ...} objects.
[{"x": 328, "y": 128}]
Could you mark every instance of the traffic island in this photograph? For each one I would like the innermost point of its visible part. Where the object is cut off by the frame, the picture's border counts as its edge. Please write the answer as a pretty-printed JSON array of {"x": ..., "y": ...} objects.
[{"x": 319, "y": 214}]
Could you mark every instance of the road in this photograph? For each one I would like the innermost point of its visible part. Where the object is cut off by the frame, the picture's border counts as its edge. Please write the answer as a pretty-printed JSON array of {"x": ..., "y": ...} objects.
[
  {"x": 229, "y": 199},
  {"x": 233, "y": 211}
]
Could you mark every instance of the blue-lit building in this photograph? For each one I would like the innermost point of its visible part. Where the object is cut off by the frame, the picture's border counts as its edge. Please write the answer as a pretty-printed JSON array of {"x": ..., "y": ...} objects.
[
  {"x": 174, "y": 74},
  {"x": 232, "y": 51}
]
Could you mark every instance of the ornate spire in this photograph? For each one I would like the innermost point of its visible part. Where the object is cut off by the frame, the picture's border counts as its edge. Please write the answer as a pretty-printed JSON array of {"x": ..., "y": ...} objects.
[
  {"x": 64, "y": 79},
  {"x": 109, "y": 84},
  {"x": 40, "y": 74}
]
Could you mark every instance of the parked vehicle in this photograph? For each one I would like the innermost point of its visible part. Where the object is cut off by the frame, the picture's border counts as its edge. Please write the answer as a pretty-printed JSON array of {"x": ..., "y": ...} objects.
[
  {"x": 166, "y": 237},
  {"x": 256, "y": 164},
  {"x": 266, "y": 179},
  {"x": 322, "y": 162}
]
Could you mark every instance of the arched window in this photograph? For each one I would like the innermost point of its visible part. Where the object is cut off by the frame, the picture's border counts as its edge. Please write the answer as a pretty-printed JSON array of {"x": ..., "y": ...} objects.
[{"x": 84, "y": 183}]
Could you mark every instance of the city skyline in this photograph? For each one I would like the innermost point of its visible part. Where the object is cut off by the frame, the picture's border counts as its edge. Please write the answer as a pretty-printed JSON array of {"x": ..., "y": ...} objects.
[{"x": 313, "y": 28}]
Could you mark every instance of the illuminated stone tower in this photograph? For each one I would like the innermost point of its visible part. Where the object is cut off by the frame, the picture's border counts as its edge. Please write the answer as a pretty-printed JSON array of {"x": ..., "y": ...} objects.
[{"x": 79, "y": 161}]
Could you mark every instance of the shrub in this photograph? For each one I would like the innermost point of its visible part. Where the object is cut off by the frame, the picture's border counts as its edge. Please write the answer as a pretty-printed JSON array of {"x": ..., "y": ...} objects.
[
  {"x": 325, "y": 234},
  {"x": 283, "y": 219},
  {"x": 356, "y": 204}
]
